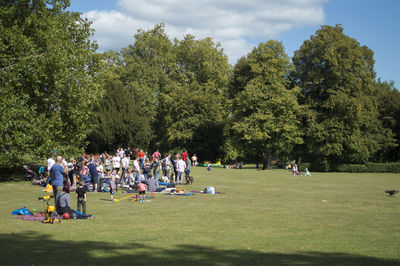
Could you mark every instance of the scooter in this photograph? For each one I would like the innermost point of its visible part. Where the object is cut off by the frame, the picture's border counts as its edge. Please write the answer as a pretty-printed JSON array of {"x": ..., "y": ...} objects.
[{"x": 49, "y": 211}]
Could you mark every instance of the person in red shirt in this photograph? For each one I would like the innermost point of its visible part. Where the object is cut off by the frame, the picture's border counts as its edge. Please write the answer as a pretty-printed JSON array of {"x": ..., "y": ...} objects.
[
  {"x": 156, "y": 154},
  {"x": 141, "y": 158},
  {"x": 184, "y": 155}
]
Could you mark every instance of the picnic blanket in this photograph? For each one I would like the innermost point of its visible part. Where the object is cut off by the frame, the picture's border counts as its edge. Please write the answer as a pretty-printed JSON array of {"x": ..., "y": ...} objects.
[
  {"x": 177, "y": 194},
  {"x": 202, "y": 192},
  {"x": 164, "y": 184},
  {"x": 38, "y": 217}
]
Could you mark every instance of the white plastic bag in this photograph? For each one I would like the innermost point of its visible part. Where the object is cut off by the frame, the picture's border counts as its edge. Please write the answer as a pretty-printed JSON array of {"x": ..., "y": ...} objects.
[{"x": 210, "y": 190}]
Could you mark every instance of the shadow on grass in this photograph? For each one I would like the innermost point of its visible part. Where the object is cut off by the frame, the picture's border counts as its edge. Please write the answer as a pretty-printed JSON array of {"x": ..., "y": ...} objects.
[{"x": 32, "y": 248}]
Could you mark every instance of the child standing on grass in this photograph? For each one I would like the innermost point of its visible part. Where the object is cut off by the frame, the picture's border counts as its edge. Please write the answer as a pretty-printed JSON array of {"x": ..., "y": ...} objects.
[
  {"x": 81, "y": 197},
  {"x": 208, "y": 167},
  {"x": 113, "y": 186},
  {"x": 142, "y": 187}
]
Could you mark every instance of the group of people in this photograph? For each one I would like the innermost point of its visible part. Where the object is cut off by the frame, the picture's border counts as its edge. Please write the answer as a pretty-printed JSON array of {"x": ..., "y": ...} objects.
[
  {"x": 133, "y": 170},
  {"x": 57, "y": 176}
]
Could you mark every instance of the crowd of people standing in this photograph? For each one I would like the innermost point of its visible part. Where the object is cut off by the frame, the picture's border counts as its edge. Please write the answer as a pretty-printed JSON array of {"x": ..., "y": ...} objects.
[{"x": 125, "y": 168}]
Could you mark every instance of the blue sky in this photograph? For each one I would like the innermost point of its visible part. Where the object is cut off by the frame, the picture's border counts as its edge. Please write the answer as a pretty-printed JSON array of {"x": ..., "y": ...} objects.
[{"x": 236, "y": 24}]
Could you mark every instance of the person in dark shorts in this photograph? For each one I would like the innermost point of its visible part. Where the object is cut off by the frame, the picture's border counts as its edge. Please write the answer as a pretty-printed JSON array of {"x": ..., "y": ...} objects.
[
  {"x": 142, "y": 187},
  {"x": 81, "y": 197}
]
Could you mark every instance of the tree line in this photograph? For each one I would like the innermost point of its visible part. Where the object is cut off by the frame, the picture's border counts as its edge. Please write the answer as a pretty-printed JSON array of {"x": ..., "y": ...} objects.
[{"x": 323, "y": 104}]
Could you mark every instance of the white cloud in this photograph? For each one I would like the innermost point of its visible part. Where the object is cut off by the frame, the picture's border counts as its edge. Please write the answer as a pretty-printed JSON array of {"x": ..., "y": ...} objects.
[{"x": 230, "y": 22}]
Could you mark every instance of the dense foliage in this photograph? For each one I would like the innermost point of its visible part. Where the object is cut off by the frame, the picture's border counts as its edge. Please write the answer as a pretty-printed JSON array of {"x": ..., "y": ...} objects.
[
  {"x": 336, "y": 76},
  {"x": 157, "y": 93},
  {"x": 352, "y": 168},
  {"x": 265, "y": 109},
  {"x": 48, "y": 79},
  {"x": 168, "y": 95}
]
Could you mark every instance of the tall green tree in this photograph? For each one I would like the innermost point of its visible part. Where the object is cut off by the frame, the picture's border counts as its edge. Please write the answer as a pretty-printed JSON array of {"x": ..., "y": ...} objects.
[
  {"x": 195, "y": 110},
  {"x": 265, "y": 109},
  {"x": 48, "y": 79},
  {"x": 146, "y": 73},
  {"x": 174, "y": 95},
  {"x": 389, "y": 114},
  {"x": 336, "y": 76},
  {"x": 117, "y": 122}
]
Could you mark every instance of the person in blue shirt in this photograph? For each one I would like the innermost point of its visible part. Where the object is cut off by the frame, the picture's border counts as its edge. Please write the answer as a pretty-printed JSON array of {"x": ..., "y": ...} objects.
[
  {"x": 57, "y": 173},
  {"x": 94, "y": 174}
]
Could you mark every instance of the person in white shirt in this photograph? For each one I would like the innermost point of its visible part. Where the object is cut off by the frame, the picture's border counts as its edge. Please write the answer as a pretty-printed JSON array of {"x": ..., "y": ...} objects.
[
  {"x": 124, "y": 165},
  {"x": 116, "y": 162},
  {"x": 136, "y": 167},
  {"x": 100, "y": 170},
  {"x": 108, "y": 165},
  {"x": 50, "y": 162},
  {"x": 180, "y": 168},
  {"x": 121, "y": 152}
]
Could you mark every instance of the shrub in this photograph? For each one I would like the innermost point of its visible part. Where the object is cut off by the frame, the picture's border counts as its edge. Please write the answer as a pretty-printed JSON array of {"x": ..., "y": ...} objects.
[{"x": 352, "y": 168}]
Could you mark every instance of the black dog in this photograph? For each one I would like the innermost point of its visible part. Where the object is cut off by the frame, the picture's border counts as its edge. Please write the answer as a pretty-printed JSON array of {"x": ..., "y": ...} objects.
[
  {"x": 392, "y": 192},
  {"x": 189, "y": 180}
]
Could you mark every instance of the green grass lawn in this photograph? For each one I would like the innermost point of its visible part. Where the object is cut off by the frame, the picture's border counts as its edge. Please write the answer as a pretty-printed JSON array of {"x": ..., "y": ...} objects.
[{"x": 262, "y": 218}]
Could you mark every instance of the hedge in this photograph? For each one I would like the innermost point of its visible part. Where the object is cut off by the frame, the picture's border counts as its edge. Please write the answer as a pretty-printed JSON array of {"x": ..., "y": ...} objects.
[{"x": 352, "y": 168}]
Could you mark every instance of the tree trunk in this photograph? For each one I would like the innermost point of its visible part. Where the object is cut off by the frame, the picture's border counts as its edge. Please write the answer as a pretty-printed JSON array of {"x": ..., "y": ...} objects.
[{"x": 267, "y": 162}]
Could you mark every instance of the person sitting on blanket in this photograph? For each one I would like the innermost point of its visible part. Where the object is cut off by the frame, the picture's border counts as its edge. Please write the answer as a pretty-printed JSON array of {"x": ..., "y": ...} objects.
[
  {"x": 63, "y": 201},
  {"x": 151, "y": 183},
  {"x": 131, "y": 180}
]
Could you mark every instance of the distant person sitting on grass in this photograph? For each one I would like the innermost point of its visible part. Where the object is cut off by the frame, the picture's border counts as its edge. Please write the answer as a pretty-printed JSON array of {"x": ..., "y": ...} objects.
[
  {"x": 151, "y": 183},
  {"x": 131, "y": 180}
]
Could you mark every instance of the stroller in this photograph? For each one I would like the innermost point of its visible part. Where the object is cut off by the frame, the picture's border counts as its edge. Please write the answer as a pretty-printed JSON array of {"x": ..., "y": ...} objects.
[{"x": 30, "y": 175}]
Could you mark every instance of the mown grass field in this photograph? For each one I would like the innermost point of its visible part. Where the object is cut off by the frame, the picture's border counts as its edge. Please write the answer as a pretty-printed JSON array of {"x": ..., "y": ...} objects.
[{"x": 261, "y": 218}]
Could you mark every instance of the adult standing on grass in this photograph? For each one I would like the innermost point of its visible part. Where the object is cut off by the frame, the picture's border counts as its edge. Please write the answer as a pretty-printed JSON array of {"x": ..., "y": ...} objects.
[
  {"x": 125, "y": 165},
  {"x": 188, "y": 167},
  {"x": 116, "y": 162},
  {"x": 194, "y": 160},
  {"x": 108, "y": 165},
  {"x": 50, "y": 162},
  {"x": 136, "y": 168},
  {"x": 141, "y": 158},
  {"x": 184, "y": 155},
  {"x": 156, "y": 154},
  {"x": 94, "y": 174},
  {"x": 180, "y": 168},
  {"x": 128, "y": 153},
  {"x": 146, "y": 168},
  {"x": 57, "y": 173},
  {"x": 166, "y": 165},
  {"x": 156, "y": 168}
]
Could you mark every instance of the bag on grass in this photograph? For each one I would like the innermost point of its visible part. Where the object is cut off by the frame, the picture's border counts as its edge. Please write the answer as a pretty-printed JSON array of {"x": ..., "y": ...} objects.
[
  {"x": 48, "y": 188},
  {"x": 210, "y": 190},
  {"x": 22, "y": 211}
]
